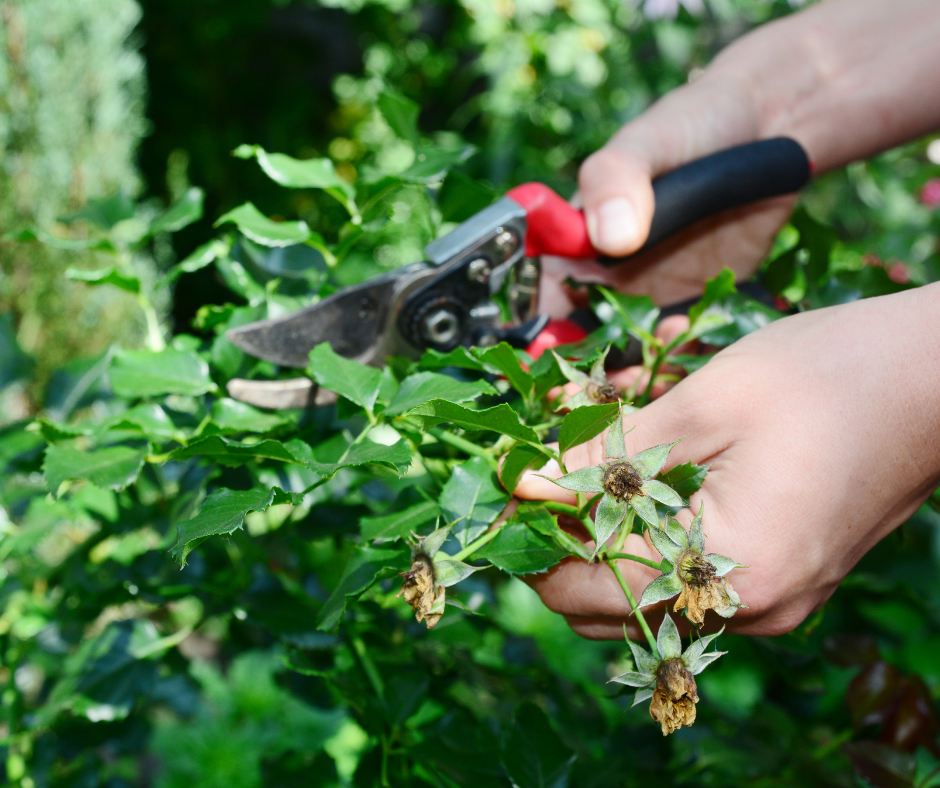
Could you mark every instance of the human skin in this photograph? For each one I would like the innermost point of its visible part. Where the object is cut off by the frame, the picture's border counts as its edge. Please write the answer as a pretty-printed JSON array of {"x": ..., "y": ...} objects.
[{"x": 821, "y": 429}]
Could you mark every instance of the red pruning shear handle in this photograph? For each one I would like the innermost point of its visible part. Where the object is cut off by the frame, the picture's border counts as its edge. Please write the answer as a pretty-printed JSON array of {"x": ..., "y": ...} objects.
[{"x": 736, "y": 176}]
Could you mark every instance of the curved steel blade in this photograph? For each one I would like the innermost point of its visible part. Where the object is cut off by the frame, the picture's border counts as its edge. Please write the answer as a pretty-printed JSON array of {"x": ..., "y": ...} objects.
[
  {"x": 353, "y": 320},
  {"x": 280, "y": 394}
]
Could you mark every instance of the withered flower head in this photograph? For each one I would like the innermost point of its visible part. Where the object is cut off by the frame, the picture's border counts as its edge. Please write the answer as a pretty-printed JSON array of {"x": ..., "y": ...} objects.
[
  {"x": 424, "y": 585},
  {"x": 626, "y": 483},
  {"x": 668, "y": 679},
  {"x": 595, "y": 390},
  {"x": 698, "y": 579}
]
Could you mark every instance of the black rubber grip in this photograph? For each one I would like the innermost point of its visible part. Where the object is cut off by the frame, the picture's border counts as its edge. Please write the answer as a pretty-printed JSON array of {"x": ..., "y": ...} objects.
[{"x": 736, "y": 176}]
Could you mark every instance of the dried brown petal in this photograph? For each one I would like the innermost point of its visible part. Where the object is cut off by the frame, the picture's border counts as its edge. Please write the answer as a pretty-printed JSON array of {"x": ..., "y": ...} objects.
[
  {"x": 421, "y": 592},
  {"x": 674, "y": 699},
  {"x": 715, "y": 594},
  {"x": 603, "y": 393}
]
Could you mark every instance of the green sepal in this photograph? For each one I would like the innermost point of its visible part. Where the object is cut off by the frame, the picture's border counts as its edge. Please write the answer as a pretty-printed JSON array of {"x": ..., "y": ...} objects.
[
  {"x": 662, "y": 588},
  {"x": 667, "y": 547},
  {"x": 649, "y": 462},
  {"x": 609, "y": 517},
  {"x": 589, "y": 479},
  {"x": 668, "y": 642},
  {"x": 616, "y": 448},
  {"x": 632, "y": 679},
  {"x": 662, "y": 493},
  {"x": 643, "y": 505}
]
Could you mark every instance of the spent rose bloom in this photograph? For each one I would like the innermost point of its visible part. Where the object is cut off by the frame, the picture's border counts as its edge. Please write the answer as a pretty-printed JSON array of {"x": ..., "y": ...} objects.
[
  {"x": 698, "y": 579},
  {"x": 431, "y": 572},
  {"x": 667, "y": 680},
  {"x": 626, "y": 483},
  {"x": 595, "y": 390}
]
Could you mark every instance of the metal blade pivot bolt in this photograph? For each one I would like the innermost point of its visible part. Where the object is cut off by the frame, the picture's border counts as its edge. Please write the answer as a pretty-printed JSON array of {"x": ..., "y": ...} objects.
[
  {"x": 479, "y": 270},
  {"x": 506, "y": 242},
  {"x": 441, "y": 327}
]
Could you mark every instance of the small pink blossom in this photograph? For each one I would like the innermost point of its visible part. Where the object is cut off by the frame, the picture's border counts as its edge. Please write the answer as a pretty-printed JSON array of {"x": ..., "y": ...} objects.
[
  {"x": 898, "y": 272},
  {"x": 930, "y": 194}
]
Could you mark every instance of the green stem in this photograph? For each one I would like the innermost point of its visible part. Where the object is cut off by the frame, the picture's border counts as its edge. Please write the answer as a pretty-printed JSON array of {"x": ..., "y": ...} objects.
[
  {"x": 639, "y": 614},
  {"x": 465, "y": 446},
  {"x": 625, "y": 530},
  {"x": 654, "y": 369},
  {"x": 154, "y": 335},
  {"x": 657, "y": 565},
  {"x": 471, "y": 548},
  {"x": 368, "y": 667},
  {"x": 360, "y": 437}
]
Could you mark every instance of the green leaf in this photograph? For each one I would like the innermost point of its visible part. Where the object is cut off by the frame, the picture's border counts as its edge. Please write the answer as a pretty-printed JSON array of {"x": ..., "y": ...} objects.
[
  {"x": 366, "y": 566},
  {"x": 503, "y": 358},
  {"x": 182, "y": 213},
  {"x": 296, "y": 173},
  {"x": 520, "y": 459},
  {"x": 111, "y": 467},
  {"x": 147, "y": 417},
  {"x": 501, "y": 419},
  {"x": 397, "y": 456},
  {"x": 521, "y": 550},
  {"x": 472, "y": 493},
  {"x": 419, "y": 388},
  {"x": 745, "y": 316},
  {"x": 448, "y": 573},
  {"x": 195, "y": 261},
  {"x": 546, "y": 523},
  {"x": 14, "y": 362},
  {"x": 638, "y": 313},
  {"x": 533, "y": 755},
  {"x": 432, "y": 164},
  {"x": 460, "y": 197},
  {"x": 400, "y": 113},
  {"x": 585, "y": 423},
  {"x": 458, "y": 357},
  {"x": 232, "y": 415},
  {"x": 148, "y": 373},
  {"x": 223, "y": 512},
  {"x": 401, "y": 524},
  {"x": 104, "y": 276},
  {"x": 357, "y": 382},
  {"x": 260, "y": 229},
  {"x": 685, "y": 479},
  {"x": 232, "y": 453},
  {"x": 104, "y": 212},
  {"x": 715, "y": 289}
]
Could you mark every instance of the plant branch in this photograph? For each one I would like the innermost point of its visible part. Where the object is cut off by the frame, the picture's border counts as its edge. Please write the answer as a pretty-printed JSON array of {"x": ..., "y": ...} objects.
[
  {"x": 471, "y": 548},
  {"x": 465, "y": 446},
  {"x": 657, "y": 565},
  {"x": 638, "y": 613}
]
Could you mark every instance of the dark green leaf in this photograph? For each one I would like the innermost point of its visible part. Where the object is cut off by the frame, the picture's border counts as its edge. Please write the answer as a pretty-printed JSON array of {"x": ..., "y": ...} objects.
[
  {"x": 366, "y": 566},
  {"x": 400, "y": 113},
  {"x": 223, "y": 512},
  {"x": 472, "y": 493},
  {"x": 419, "y": 388},
  {"x": 519, "y": 459},
  {"x": 715, "y": 289},
  {"x": 817, "y": 240},
  {"x": 399, "y": 524},
  {"x": 848, "y": 286},
  {"x": 533, "y": 754},
  {"x": 356, "y": 382},
  {"x": 688, "y": 362},
  {"x": 685, "y": 479},
  {"x": 182, "y": 213},
  {"x": 111, "y": 467},
  {"x": 546, "y": 523},
  {"x": 196, "y": 260},
  {"x": 68, "y": 244},
  {"x": 147, "y": 417},
  {"x": 785, "y": 277},
  {"x": 501, "y": 419},
  {"x": 461, "y": 196},
  {"x": 458, "y": 357},
  {"x": 397, "y": 456},
  {"x": 104, "y": 276},
  {"x": 638, "y": 314},
  {"x": 521, "y": 550},
  {"x": 745, "y": 315},
  {"x": 584, "y": 423},
  {"x": 503, "y": 358},
  {"x": 260, "y": 229}
]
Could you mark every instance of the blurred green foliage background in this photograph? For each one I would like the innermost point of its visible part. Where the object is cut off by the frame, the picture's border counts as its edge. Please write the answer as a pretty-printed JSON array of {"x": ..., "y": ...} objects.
[{"x": 136, "y": 102}]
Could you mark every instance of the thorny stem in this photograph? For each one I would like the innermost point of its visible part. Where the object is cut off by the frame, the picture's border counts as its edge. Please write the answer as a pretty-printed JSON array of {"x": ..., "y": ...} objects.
[
  {"x": 638, "y": 613},
  {"x": 657, "y": 565}
]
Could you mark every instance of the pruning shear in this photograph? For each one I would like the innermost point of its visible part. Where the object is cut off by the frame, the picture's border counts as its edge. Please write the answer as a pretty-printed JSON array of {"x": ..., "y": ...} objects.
[{"x": 480, "y": 282}]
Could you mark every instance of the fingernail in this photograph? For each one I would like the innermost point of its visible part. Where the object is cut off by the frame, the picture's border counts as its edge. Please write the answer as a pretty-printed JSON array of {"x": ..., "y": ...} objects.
[{"x": 613, "y": 226}]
